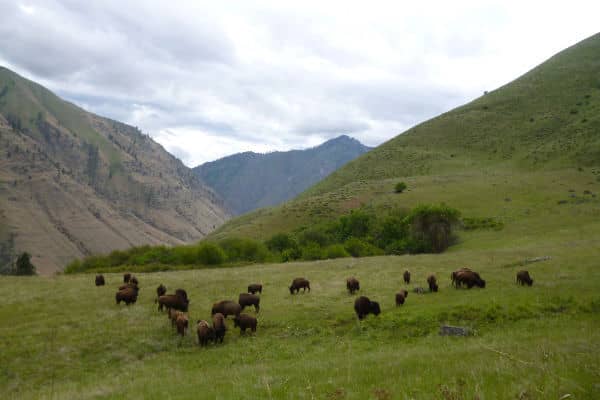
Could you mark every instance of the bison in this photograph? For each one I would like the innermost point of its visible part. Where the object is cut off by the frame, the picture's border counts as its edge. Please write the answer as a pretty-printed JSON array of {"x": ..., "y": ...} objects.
[
  {"x": 128, "y": 295},
  {"x": 100, "y": 280},
  {"x": 160, "y": 291},
  {"x": 219, "y": 327},
  {"x": 469, "y": 279},
  {"x": 126, "y": 277},
  {"x": 299, "y": 283},
  {"x": 205, "y": 333},
  {"x": 245, "y": 321},
  {"x": 454, "y": 274},
  {"x": 432, "y": 282},
  {"x": 524, "y": 278},
  {"x": 247, "y": 300},
  {"x": 133, "y": 281},
  {"x": 406, "y": 277},
  {"x": 352, "y": 285},
  {"x": 255, "y": 287},
  {"x": 181, "y": 323},
  {"x": 226, "y": 307},
  {"x": 401, "y": 297},
  {"x": 363, "y": 306},
  {"x": 178, "y": 301}
]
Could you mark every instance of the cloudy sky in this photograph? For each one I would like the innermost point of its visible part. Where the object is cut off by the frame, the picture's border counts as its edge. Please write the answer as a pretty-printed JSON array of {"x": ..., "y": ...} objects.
[{"x": 208, "y": 79}]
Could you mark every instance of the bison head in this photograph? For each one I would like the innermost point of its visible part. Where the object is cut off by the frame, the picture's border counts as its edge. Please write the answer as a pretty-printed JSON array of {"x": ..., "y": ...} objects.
[
  {"x": 291, "y": 289},
  {"x": 374, "y": 308},
  {"x": 481, "y": 283},
  {"x": 236, "y": 321}
]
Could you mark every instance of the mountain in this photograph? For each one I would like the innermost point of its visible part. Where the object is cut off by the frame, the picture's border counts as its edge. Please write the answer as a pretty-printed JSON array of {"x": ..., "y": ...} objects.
[
  {"x": 73, "y": 183},
  {"x": 247, "y": 181},
  {"x": 509, "y": 140}
]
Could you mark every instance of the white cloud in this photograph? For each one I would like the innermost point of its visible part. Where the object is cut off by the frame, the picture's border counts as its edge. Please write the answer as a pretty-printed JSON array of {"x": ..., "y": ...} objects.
[{"x": 261, "y": 76}]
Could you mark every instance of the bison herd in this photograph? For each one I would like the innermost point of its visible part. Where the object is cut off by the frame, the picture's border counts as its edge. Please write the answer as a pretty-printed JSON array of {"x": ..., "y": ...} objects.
[{"x": 177, "y": 304}]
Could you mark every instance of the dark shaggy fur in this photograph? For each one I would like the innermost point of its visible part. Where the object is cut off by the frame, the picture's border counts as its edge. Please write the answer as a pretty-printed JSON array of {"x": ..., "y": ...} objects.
[
  {"x": 219, "y": 327},
  {"x": 247, "y": 300},
  {"x": 454, "y": 274},
  {"x": 161, "y": 290},
  {"x": 205, "y": 332},
  {"x": 181, "y": 323},
  {"x": 100, "y": 280},
  {"x": 363, "y": 307},
  {"x": 126, "y": 277},
  {"x": 523, "y": 278},
  {"x": 245, "y": 321},
  {"x": 255, "y": 287},
  {"x": 406, "y": 277},
  {"x": 226, "y": 307},
  {"x": 352, "y": 285},
  {"x": 469, "y": 279},
  {"x": 299, "y": 283},
  {"x": 401, "y": 297},
  {"x": 432, "y": 282},
  {"x": 178, "y": 301},
  {"x": 128, "y": 295}
]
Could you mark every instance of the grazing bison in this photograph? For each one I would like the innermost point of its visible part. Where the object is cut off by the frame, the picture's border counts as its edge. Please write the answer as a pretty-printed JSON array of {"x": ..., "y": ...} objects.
[
  {"x": 128, "y": 295},
  {"x": 406, "y": 277},
  {"x": 100, "y": 280},
  {"x": 454, "y": 274},
  {"x": 178, "y": 301},
  {"x": 160, "y": 291},
  {"x": 432, "y": 282},
  {"x": 247, "y": 300},
  {"x": 126, "y": 277},
  {"x": 219, "y": 327},
  {"x": 205, "y": 333},
  {"x": 352, "y": 285},
  {"x": 524, "y": 278},
  {"x": 245, "y": 321},
  {"x": 299, "y": 283},
  {"x": 363, "y": 306},
  {"x": 133, "y": 281},
  {"x": 128, "y": 285},
  {"x": 469, "y": 279},
  {"x": 401, "y": 297},
  {"x": 181, "y": 323},
  {"x": 255, "y": 287},
  {"x": 226, "y": 307}
]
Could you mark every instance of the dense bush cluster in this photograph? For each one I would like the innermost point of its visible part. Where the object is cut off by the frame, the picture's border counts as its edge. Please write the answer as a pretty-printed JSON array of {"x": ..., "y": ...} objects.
[
  {"x": 361, "y": 233},
  {"x": 22, "y": 266}
]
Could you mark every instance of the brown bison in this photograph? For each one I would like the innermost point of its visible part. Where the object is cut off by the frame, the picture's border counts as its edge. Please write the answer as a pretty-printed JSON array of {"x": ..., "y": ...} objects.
[
  {"x": 363, "y": 306},
  {"x": 205, "y": 333},
  {"x": 406, "y": 277},
  {"x": 178, "y": 301},
  {"x": 245, "y": 321},
  {"x": 469, "y": 279},
  {"x": 255, "y": 287},
  {"x": 128, "y": 295},
  {"x": 126, "y": 277},
  {"x": 299, "y": 283},
  {"x": 226, "y": 307},
  {"x": 524, "y": 278},
  {"x": 160, "y": 291},
  {"x": 352, "y": 285},
  {"x": 128, "y": 285},
  {"x": 181, "y": 323},
  {"x": 100, "y": 280},
  {"x": 432, "y": 282},
  {"x": 454, "y": 274},
  {"x": 401, "y": 297},
  {"x": 219, "y": 327},
  {"x": 247, "y": 300}
]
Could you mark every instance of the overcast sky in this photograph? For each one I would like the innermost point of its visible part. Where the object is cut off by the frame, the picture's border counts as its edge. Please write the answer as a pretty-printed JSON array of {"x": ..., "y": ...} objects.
[{"x": 208, "y": 79}]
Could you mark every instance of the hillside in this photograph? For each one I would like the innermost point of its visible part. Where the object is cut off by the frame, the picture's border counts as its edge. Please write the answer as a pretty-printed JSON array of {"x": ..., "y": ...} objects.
[
  {"x": 546, "y": 120},
  {"x": 73, "y": 183},
  {"x": 247, "y": 181}
]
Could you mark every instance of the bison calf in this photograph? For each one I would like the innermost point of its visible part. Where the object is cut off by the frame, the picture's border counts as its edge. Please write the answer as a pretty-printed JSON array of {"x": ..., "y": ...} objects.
[
  {"x": 219, "y": 327},
  {"x": 247, "y": 300},
  {"x": 432, "y": 282},
  {"x": 524, "y": 278},
  {"x": 181, "y": 323},
  {"x": 245, "y": 321},
  {"x": 406, "y": 277},
  {"x": 255, "y": 287},
  {"x": 100, "y": 280},
  {"x": 299, "y": 283},
  {"x": 363, "y": 306},
  {"x": 205, "y": 333},
  {"x": 401, "y": 297},
  {"x": 352, "y": 285}
]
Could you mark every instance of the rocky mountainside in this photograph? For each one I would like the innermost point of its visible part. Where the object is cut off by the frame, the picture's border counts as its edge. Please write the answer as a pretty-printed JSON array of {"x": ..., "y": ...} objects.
[
  {"x": 247, "y": 181},
  {"x": 73, "y": 183}
]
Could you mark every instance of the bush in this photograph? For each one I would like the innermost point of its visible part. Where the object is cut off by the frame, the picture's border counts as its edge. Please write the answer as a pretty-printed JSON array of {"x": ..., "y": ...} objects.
[
  {"x": 360, "y": 248},
  {"x": 315, "y": 235},
  {"x": 400, "y": 187},
  {"x": 280, "y": 242},
  {"x": 357, "y": 225},
  {"x": 432, "y": 225},
  {"x": 23, "y": 266},
  {"x": 238, "y": 249},
  {"x": 335, "y": 251},
  {"x": 312, "y": 252},
  {"x": 210, "y": 254},
  {"x": 291, "y": 254}
]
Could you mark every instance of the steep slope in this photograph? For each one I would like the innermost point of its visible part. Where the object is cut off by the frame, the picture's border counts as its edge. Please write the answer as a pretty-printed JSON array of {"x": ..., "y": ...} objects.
[
  {"x": 247, "y": 181},
  {"x": 473, "y": 157},
  {"x": 74, "y": 184}
]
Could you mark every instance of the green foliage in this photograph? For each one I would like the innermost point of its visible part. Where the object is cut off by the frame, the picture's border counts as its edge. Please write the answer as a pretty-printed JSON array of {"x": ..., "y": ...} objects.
[
  {"x": 210, "y": 254},
  {"x": 280, "y": 242},
  {"x": 360, "y": 248},
  {"x": 244, "y": 250},
  {"x": 433, "y": 225},
  {"x": 400, "y": 187},
  {"x": 355, "y": 225},
  {"x": 335, "y": 251},
  {"x": 23, "y": 265},
  {"x": 472, "y": 223}
]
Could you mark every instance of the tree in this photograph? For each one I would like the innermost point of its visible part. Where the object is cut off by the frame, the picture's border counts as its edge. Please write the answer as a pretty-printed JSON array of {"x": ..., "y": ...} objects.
[
  {"x": 433, "y": 225},
  {"x": 23, "y": 266},
  {"x": 400, "y": 187}
]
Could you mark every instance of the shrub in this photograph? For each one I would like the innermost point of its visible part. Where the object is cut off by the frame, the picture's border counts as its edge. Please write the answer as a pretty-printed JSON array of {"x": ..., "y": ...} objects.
[
  {"x": 335, "y": 251},
  {"x": 433, "y": 225},
  {"x": 238, "y": 249},
  {"x": 312, "y": 252},
  {"x": 360, "y": 248},
  {"x": 280, "y": 242},
  {"x": 357, "y": 224},
  {"x": 210, "y": 254},
  {"x": 23, "y": 266},
  {"x": 291, "y": 254},
  {"x": 400, "y": 187}
]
